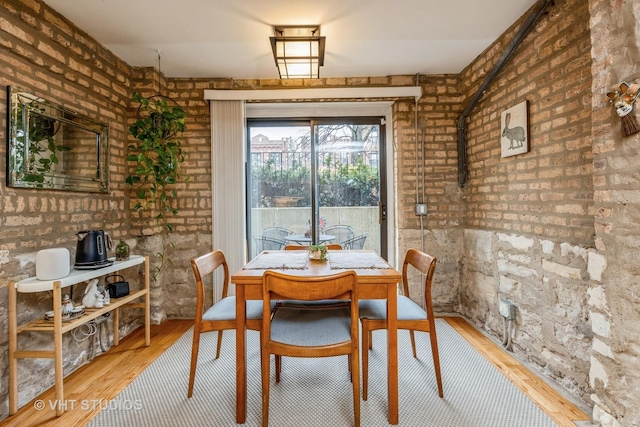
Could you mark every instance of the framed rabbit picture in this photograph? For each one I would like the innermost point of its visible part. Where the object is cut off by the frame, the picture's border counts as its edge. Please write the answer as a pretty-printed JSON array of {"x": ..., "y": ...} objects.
[{"x": 514, "y": 127}]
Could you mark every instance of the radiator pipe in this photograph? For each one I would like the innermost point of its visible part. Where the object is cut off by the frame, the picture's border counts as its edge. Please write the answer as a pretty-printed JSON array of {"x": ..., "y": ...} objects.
[{"x": 538, "y": 10}]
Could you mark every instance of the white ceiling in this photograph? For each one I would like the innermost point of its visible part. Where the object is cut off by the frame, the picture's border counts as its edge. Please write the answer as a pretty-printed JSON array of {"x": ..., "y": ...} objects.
[{"x": 230, "y": 38}]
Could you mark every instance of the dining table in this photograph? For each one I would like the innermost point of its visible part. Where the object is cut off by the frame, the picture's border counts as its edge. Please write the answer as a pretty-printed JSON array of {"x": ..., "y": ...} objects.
[{"x": 377, "y": 279}]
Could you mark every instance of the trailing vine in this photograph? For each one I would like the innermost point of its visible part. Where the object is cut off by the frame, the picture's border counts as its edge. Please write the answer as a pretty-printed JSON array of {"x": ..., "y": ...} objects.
[{"x": 157, "y": 153}]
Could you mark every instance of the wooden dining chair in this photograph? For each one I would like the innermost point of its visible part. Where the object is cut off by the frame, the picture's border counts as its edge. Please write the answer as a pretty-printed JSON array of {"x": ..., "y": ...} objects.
[
  {"x": 411, "y": 316},
  {"x": 297, "y": 303},
  {"x": 330, "y": 246},
  {"x": 222, "y": 315},
  {"x": 300, "y": 332}
]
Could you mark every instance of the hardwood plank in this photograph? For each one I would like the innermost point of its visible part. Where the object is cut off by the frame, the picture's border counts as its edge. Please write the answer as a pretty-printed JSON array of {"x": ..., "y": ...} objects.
[
  {"x": 558, "y": 408},
  {"x": 107, "y": 375}
]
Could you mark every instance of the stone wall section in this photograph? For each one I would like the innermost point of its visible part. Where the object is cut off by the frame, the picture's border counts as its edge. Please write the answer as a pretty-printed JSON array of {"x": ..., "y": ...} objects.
[
  {"x": 528, "y": 223},
  {"x": 549, "y": 283},
  {"x": 614, "y": 296}
]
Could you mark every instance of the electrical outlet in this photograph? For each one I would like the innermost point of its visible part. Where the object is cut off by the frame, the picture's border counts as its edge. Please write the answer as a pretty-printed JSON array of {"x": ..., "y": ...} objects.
[
  {"x": 507, "y": 309},
  {"x": 421, "y": 209}
]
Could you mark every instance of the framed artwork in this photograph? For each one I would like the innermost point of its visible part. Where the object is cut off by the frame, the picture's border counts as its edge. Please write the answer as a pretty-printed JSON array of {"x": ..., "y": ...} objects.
[{"x": 514, "y": 124}]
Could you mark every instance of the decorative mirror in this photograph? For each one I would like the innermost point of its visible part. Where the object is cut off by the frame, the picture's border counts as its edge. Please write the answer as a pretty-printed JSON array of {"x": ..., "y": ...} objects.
[{"x": 52, "y": 147}]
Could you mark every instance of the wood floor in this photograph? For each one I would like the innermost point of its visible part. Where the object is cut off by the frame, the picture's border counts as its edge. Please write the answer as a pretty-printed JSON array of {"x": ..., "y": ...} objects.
[
  {"x": 558, "y": 408},
  {"x": 94, "y": 384}
]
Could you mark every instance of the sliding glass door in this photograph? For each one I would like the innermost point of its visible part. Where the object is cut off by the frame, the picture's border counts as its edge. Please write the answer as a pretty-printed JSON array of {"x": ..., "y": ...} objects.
[
  {"x": 316, "y": 181},
  {"x": 279, "y": 184}
]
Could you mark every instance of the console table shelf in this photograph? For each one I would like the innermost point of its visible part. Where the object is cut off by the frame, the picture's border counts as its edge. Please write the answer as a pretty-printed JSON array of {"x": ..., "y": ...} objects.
[{"x": 58, "y": 327}]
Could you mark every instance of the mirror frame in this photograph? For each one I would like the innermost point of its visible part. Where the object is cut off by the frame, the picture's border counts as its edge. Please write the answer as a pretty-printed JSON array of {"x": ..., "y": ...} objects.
[{"x": 46, "y": 161}]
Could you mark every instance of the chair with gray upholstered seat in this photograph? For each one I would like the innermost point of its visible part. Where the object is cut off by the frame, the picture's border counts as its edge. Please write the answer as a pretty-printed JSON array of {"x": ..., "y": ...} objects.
[
  {"x": 411, "y": 316},
  {"x": 222, "y": 315},
  {"x": 301, "y": 332}
]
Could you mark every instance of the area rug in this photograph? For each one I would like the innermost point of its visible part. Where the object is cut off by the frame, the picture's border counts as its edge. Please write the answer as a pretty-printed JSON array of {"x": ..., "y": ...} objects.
[{"x": 317, "y": 392}]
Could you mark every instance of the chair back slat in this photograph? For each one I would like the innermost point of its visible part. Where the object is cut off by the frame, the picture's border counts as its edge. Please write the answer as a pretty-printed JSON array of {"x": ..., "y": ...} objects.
[
  {"x": 205, "y": 265},
  {"x": 280, "y": 286},
  {"x": 426, "y": 265}
]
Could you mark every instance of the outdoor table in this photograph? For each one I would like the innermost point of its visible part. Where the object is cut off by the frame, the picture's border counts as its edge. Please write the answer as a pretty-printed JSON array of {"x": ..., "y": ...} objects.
[{"x": 301, "y": 239}]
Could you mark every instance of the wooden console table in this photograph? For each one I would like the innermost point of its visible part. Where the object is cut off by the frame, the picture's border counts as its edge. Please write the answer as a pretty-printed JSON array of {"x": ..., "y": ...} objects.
[{"x": 58, "y": 327}]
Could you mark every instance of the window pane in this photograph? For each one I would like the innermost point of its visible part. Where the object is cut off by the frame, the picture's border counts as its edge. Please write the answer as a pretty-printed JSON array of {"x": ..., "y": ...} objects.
[
  {"x": 280, "y": 186},
  {"x": 349, "y": 184}
]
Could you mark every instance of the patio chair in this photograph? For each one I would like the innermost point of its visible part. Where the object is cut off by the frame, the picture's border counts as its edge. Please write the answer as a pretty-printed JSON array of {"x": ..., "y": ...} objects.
[
  {"x": 265, "y": 243},
  {"x": 278, "y": 233},
  {"x": 286, "y": 333},
  {"x": 411, "y": 316},
  {"x": 355, "y": 242},
  {"x": 222, "y": 315},
  {"x": 342, "y": 232}
]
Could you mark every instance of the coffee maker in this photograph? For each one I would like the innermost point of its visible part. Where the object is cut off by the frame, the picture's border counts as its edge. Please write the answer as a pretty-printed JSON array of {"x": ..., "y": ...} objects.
[{"x": 91, "y": 252}]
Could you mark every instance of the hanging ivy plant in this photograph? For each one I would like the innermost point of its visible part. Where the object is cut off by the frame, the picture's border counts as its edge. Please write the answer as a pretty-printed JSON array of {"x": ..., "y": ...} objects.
[{"x": 157, "y": 154}]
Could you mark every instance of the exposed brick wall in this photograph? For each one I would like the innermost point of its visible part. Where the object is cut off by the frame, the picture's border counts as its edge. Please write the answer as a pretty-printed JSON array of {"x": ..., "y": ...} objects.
[
  {"x": 528, "y": 218},
  {"x": 547, "y": 192},
  {"x": 194, "y": 189},
  {"x": 45, "y": 54},
  {"x": 438, "y": 111},
  {"x": 435, "y": 163}
]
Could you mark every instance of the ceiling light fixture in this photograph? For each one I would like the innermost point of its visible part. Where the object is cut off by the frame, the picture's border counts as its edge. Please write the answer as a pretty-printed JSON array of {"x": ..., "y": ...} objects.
[{"x": 298, "y": 51}]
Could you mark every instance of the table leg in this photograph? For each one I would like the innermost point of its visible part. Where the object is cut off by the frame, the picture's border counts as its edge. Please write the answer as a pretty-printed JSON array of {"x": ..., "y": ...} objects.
[
  {"x": 241, "y": 356},
  {"x": 392, "y": 356}
]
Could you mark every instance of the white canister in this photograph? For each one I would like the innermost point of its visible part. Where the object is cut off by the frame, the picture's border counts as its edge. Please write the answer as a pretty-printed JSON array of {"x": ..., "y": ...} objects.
[{"x": 53, "y": 263}]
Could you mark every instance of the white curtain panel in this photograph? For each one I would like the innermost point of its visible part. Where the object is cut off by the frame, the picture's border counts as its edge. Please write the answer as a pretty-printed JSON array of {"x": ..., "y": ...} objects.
[{"x": 228, "y": 156}]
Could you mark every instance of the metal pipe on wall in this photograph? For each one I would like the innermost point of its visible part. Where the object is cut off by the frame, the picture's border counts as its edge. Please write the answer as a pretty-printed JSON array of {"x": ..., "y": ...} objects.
[
  {"x": 420, "y": 192},
  {"x": 415, "y": 129},
  {"x": 538, "y": 10}
]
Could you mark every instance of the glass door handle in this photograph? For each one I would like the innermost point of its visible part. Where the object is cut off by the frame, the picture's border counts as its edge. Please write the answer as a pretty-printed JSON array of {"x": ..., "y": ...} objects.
[{"x": 383, "y": 213}]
